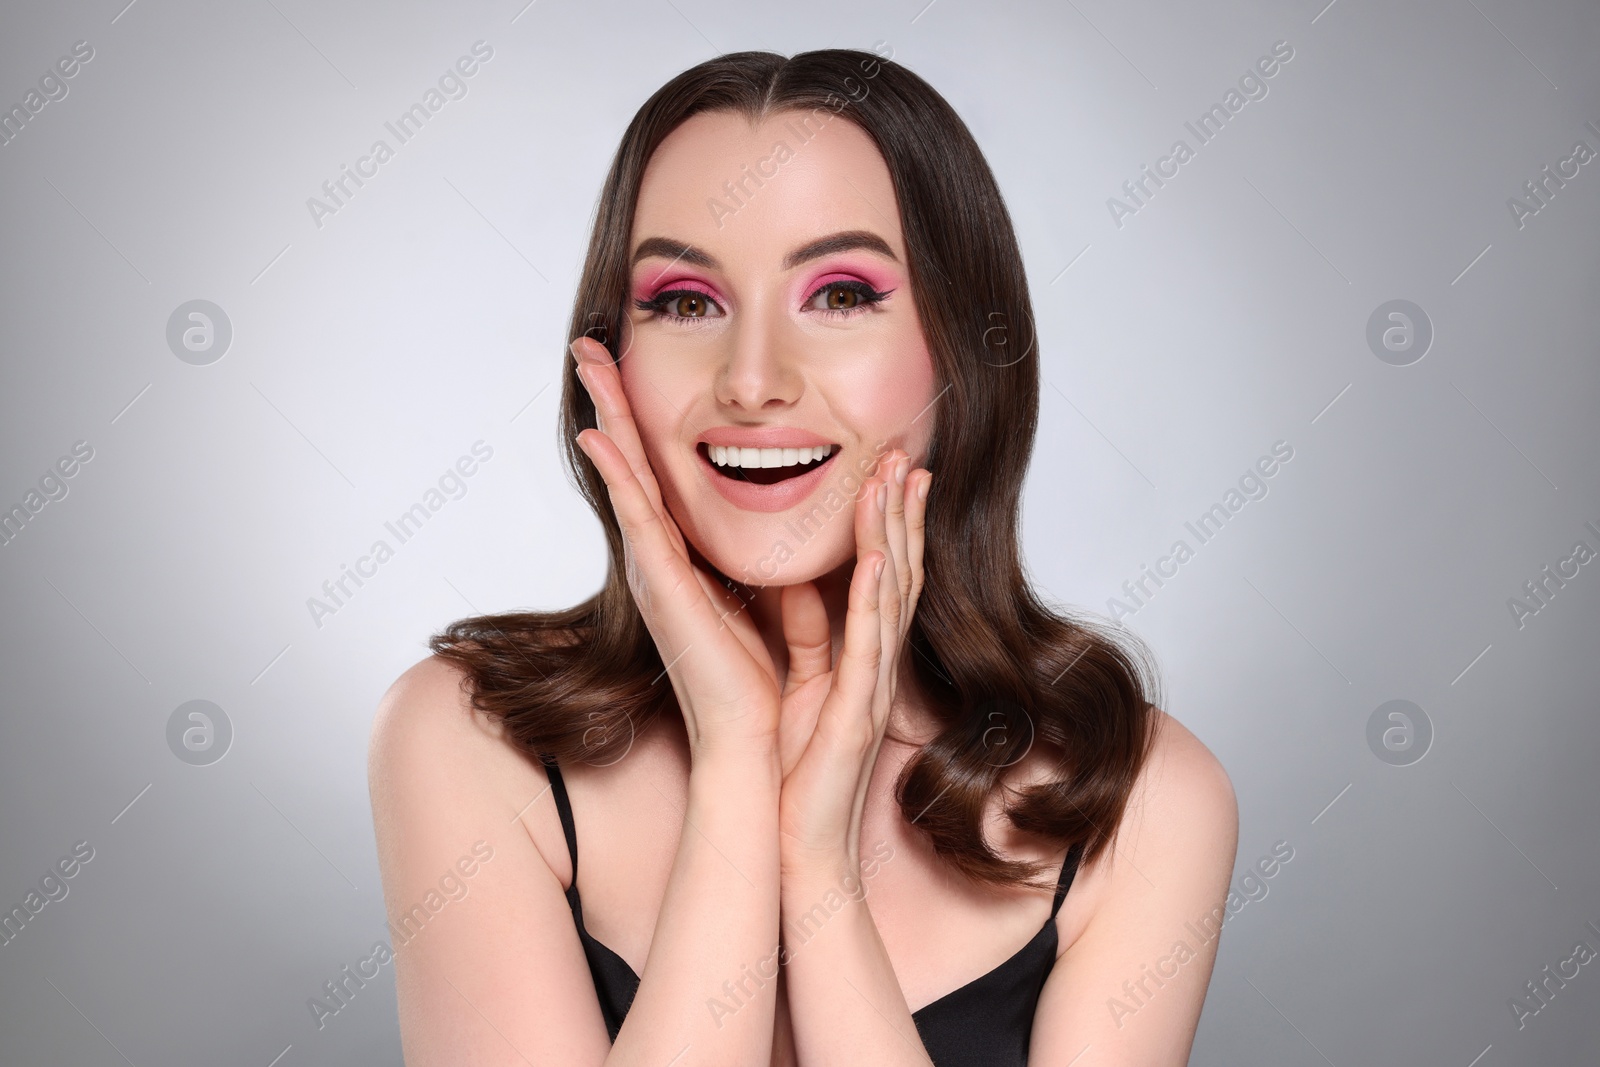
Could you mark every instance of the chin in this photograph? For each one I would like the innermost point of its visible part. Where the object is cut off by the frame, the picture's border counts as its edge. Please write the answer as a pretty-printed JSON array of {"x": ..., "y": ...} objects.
[{"x": 787, "y": 557}]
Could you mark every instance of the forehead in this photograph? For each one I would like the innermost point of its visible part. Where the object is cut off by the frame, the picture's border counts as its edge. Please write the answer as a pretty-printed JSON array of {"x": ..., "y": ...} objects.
[{"x": 750, "y": 192}]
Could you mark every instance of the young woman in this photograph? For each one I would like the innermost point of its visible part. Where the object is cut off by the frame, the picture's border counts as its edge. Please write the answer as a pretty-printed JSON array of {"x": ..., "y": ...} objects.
[{"x": 845, "y": 790}]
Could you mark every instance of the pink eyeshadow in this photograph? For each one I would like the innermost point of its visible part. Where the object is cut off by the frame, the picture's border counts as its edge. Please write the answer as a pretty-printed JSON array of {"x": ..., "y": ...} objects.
[
  {"x": 878, "y": 279},
  {"x": 647, "y": 289}
]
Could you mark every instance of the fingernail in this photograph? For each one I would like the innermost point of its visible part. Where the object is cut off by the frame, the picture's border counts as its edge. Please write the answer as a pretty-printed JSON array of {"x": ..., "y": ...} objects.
[
  {"x": 883, "y": 496},
  {"x": 572, "y": 347},
  {"x": 582, "y": 353},
  {"x": 922, "y": 489},
  {"x": 901, "y": 469},
  {"x": 877, "y": 572}
]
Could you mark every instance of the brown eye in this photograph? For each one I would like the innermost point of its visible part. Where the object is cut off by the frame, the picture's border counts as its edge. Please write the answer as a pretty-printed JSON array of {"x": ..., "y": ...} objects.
[
  {"x": 689, "y": 306},
  {"x": 843, "y": 299},
  {"x": 679, "y": 305}
]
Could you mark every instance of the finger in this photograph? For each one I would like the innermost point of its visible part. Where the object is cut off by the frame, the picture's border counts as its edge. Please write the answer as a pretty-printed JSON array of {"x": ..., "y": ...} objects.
[
  {"x": 891, "y": 598},
  {"x": 870, "y": 531},
  {"x": 855, "y": 679},
  {"x": 806, "y": 632},
  {"x": 895, "y": 523},
  {"x": 873, "y": 535},
  {"x": 872, "y": 539},
  {"x": 600, "y": 377},
  {"x": 733, "y": 610},
  {"x": 615, "y": 417},
  {"x": 916, "y": 527},
  {"x": 665, "y": 569}
]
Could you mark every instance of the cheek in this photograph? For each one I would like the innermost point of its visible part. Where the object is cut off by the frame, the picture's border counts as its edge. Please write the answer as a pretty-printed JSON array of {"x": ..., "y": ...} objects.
[
  {"x": 650, "y": 404},
  {"x": 881, "y": 396}
]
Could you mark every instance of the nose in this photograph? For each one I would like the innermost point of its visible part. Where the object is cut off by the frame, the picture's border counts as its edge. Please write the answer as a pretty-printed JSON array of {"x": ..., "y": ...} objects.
[{"x": 759, "y": 371}]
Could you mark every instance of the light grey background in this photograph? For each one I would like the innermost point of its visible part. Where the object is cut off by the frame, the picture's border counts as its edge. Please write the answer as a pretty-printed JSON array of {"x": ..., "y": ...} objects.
[{"x": 1228, "y": 313}]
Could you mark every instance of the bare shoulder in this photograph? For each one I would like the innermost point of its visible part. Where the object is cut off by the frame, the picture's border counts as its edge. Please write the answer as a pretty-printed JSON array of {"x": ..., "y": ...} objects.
[
  {"x": 431, "y": 746},
  {"x": 1183, "y": 787},
  {"x": 1132, "y": 947},
  {"x": 435, "y": 762},
  {"x": 1182, "y": 817},
  {"x": 480, "y": 925},
  {"x": 429, "y": 702}
]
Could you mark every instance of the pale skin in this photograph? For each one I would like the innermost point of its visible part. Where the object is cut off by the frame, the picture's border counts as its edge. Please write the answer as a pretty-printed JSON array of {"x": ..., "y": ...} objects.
[{"x": 774, "y": 785}]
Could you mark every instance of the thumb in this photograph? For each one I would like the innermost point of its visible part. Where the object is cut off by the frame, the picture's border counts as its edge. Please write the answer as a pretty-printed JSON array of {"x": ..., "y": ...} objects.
[{"x": 806, "y": 632}]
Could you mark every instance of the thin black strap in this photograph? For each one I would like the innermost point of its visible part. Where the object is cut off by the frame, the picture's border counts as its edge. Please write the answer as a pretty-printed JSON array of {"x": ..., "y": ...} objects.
[
  {"x": 1069, "y": 870},
  {"x": 558, "y": 788}
]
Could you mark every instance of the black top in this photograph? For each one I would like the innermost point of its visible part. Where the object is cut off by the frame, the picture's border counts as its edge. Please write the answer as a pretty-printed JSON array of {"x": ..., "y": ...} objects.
[{"x": 985, "y": 1023}]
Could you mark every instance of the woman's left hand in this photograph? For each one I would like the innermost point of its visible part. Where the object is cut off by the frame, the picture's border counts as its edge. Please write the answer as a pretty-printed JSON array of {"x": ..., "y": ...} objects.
[{"x": 839, "y": 712}]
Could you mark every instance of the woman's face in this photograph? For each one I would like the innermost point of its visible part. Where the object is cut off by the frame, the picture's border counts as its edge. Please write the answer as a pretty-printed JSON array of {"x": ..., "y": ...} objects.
[{"x": 780, "y": 319}]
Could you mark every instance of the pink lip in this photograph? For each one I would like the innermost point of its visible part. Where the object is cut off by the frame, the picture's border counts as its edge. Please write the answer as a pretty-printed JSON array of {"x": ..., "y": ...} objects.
[
  {"x": 762, "y": 437},
  {"x": 779, "y": 496}
]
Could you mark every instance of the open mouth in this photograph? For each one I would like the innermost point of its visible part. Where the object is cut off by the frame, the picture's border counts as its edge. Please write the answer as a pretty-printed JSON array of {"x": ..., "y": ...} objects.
[{"x": 765, "y": 466}]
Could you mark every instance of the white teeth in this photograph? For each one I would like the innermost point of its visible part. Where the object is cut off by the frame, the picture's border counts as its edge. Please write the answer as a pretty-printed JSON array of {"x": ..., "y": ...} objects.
[{"x": 731, "y": 456}]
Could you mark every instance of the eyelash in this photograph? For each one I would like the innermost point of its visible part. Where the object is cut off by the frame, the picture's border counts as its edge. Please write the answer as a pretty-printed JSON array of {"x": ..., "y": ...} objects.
[{"x": 866, "y": 294}]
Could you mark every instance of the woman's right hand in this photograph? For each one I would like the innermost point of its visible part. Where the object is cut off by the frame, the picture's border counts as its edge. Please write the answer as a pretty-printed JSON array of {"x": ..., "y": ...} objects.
[{"x": 724, "y": 678}]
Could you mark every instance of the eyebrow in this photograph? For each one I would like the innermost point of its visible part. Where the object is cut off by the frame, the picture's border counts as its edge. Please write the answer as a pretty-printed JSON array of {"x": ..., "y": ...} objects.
[{"x": 844, "y": 241}]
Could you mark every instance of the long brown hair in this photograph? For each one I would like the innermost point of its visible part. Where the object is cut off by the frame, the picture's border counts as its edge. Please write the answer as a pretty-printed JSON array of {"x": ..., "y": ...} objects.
[{"x": 1001, "y": 670}]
